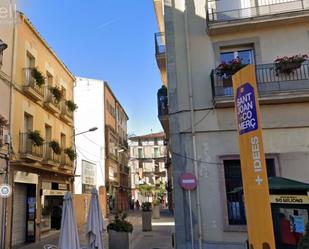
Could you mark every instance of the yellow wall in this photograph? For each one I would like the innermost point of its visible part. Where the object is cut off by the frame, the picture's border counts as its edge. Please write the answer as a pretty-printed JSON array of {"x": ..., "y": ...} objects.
[{"x": 45, "y": 60}]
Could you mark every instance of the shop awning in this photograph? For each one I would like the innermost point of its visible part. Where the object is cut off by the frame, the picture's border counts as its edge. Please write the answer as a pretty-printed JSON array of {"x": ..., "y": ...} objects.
[{"x": 281, "y": 183}]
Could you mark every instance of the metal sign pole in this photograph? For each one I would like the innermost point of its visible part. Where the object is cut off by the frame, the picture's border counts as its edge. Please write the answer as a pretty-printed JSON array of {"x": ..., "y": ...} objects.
[
  {"x": 189, "y": 182},
  {"x": 191, "y": 220}
]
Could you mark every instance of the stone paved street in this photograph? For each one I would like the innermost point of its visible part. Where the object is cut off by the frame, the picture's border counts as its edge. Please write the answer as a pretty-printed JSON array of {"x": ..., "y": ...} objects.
[{"x": 159, "y": 238}]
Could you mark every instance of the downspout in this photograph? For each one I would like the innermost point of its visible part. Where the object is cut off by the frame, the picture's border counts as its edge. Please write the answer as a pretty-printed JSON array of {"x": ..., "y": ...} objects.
[
  {"x": 198, "y": 201},
  {"x": 13, "y": 6}
]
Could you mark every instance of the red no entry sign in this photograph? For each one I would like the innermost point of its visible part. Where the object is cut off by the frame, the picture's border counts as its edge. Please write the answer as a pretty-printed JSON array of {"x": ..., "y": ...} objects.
[{"x": 188, "y": 181}]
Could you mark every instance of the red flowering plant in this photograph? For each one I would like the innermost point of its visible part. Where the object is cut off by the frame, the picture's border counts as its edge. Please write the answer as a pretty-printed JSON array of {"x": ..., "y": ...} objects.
[
  {"x": 288, "y": 65},
  {"x": 226, "y": 70}
]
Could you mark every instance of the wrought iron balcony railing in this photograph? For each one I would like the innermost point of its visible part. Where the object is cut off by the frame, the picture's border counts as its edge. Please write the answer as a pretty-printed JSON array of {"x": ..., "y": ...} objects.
[
  {"x": 269, "y": 81},
  {"x": 30, "y": 82},
  {"x": 227, "y": 10},
  {"x": 50, "y": 155},
  {"x": 160, "y": 43},
  {"x": 27, "y": 147},
  {"x": 65, "y": 160},
  {"x": 51, "y": 99}
]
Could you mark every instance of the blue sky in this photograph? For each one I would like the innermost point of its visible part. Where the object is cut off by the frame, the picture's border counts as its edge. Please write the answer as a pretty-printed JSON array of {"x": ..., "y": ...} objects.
[{"x": 108, "y": 40}]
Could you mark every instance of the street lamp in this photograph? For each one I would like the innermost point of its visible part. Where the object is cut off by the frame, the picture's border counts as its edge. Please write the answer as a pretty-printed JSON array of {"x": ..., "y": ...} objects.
[{"x": 90, "y": 130}]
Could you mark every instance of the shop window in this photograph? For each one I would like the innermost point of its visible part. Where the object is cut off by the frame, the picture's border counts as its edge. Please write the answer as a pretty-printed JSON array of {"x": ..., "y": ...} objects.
[
  {"x": 233, "y": 180},
  {"x": 292, "y": 223}
]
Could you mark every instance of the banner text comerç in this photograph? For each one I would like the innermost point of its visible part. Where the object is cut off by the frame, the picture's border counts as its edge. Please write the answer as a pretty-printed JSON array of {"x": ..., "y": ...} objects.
[{"x": 253, "y": 165}]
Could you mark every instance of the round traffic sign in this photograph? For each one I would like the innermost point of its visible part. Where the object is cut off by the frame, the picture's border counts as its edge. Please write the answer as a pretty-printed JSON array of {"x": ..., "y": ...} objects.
[
  {"x": 5, "y": 190},
  {"x": 188, "y": 181}
]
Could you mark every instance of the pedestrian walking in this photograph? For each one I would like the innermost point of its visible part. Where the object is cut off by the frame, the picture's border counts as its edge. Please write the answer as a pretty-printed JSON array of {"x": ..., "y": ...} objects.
[{"x": 137, "y": 205}]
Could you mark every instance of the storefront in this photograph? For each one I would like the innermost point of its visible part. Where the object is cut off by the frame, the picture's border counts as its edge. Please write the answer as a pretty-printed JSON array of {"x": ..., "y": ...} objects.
[
  {"x": 24, "y": 209},
  {"x": 290, "y": 210},
  {"x": 51, "y": 203}
]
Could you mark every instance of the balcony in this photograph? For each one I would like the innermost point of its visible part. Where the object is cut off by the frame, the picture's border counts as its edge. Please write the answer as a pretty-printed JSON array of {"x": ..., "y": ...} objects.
[
  {"x": 28, "y": 151},
  {"x": 273, "y": 86},
  {"x": 30, "y": 86},
  {"x": 228, "y": 16},
  {"x": 65, "y": 161},
  {"x": 162, "y": 100},
  {"x": 160, "y": 49},
  {"x": 50, "y": 157},
  {"x": 51, "y": 103},
  {"x": 66, "y": 115}
]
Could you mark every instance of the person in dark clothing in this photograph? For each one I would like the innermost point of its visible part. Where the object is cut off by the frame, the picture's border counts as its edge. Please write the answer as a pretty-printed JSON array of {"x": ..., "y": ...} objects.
[{"x": 137, "y": 205}]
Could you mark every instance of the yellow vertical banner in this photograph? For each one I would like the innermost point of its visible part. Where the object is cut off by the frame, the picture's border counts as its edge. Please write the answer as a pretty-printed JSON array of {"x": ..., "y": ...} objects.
[{"x": 253, "y": 164}]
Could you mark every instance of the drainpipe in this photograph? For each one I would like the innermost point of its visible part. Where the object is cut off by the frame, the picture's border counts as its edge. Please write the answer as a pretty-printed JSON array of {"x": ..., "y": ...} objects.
[
  {"x": 198, "y": 201},
  {"x": 7, "y": 170}
]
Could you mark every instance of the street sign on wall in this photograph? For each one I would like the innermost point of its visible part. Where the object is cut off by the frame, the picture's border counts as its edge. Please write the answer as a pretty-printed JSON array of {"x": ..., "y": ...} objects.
[
  {"x": 188, "y": 181},
  {"x": 253, "y": 164}
]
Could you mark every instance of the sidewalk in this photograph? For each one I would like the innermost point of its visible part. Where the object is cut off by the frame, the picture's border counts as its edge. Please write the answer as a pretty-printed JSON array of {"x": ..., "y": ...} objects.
[{"x": 159, "y": 238}]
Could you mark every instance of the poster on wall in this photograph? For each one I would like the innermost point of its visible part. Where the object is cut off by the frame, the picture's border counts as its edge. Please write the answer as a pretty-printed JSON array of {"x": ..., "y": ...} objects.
[{"x": 89, "y": 179}]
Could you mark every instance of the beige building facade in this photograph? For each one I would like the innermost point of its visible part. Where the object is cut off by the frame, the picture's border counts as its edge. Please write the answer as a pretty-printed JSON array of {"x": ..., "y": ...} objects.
[
  {"x": 147, "y": 163},
  {"x": 116, "y": 150},
  {"x": 6, "y": 58},
  {"x": 201, "y": 111},
  {"x": 41, "y": 134}
]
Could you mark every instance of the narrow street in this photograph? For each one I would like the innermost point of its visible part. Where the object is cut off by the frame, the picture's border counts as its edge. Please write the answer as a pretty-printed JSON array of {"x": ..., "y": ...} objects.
[{"x": 159, "y": 238}]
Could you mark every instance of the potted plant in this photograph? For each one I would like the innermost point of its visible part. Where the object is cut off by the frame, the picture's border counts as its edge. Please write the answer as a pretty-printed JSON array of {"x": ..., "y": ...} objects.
[
  {"x": 118, "y": 231},
  {"x": 35, "y": 138},
  {"x": 146, "y": 216},
  {"x": 288, "y": 65},
  {"x": 38, "y": 77},
  {"x": 54, "y": 145},
  {"x": 56, "y": 92},
  {"x": 71, "y": 153},
  {"x": 71, "y": 105},
  {"x": 226, "y": 69}
]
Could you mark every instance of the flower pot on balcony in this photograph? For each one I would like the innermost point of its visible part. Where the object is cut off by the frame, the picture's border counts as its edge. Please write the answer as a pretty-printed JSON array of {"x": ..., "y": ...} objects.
[
  {"x": 118, "y": 240},
  {"x": 156, "y": 212},
  {"x": 146, "y": 221},
  {"x": 287, "y": 68},
  {"x": 288, "y": 65}
]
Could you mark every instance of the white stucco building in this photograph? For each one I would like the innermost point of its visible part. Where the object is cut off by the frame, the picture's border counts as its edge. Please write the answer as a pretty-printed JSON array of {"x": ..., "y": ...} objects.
[
  {"x": 90, "y": 163},
  {"x": 195, "y": 37}
]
